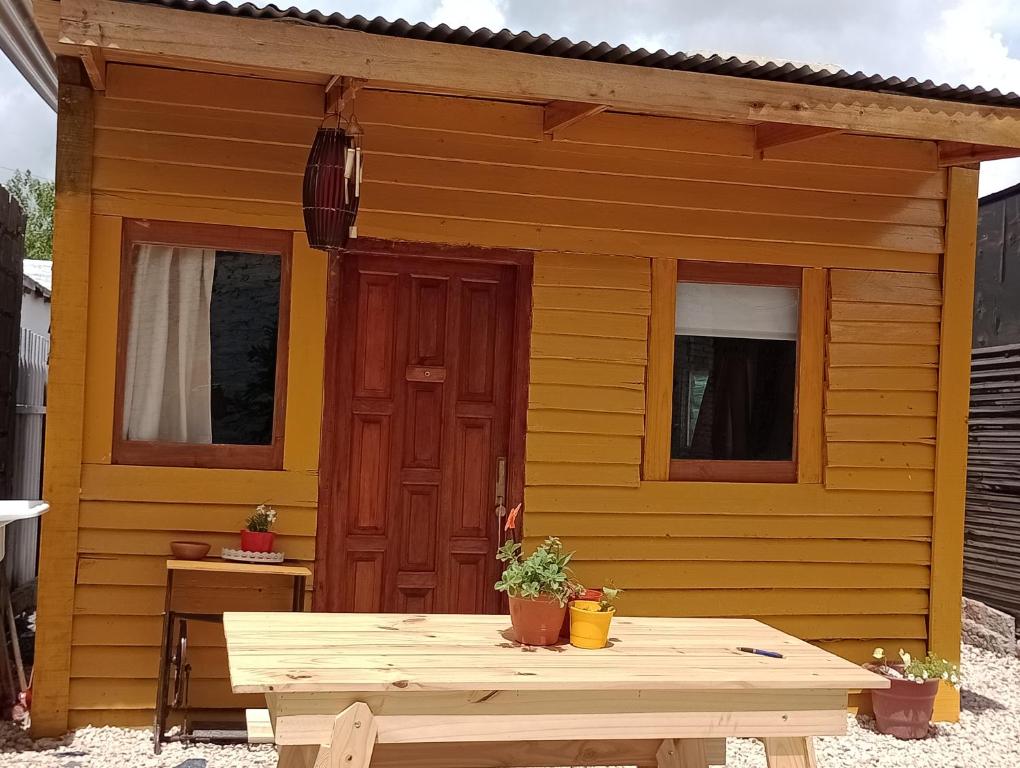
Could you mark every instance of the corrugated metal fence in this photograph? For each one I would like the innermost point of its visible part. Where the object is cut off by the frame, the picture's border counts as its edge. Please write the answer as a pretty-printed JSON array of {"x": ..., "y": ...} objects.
[
  {"x": 30, "y": 418},
  {"x": 991, "y": 560}
]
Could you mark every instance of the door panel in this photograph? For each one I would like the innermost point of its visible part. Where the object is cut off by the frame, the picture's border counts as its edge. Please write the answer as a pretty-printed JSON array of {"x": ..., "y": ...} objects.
[{"x": 423, "y": 377}]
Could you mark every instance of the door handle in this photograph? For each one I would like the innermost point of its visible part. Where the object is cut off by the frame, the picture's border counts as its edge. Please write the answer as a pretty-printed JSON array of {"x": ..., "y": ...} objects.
[{"x": 501, "y": 487}]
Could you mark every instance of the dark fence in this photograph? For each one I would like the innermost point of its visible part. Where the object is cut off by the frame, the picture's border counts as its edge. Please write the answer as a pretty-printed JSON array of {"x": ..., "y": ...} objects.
[
  {"x": 12, "y": 252},
  {"x": 991, "y": 561}
]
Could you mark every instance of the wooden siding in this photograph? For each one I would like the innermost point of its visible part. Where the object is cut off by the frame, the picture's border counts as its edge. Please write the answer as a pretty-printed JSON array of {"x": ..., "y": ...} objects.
[{"x": 844, "y": 562}]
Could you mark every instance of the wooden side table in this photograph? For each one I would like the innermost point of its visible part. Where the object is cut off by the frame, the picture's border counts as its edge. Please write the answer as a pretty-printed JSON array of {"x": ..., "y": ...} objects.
[{"x": 173, "y": 659}]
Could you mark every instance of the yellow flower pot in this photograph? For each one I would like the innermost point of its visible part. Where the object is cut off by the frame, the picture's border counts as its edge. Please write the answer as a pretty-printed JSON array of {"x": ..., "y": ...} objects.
[{"x": 589, "y": 627}]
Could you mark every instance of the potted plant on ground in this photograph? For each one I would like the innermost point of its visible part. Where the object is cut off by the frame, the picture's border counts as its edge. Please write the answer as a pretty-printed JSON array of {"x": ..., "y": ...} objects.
[
  {"x": 904, "y": 709},
  {"x": 538, "y": 587},
  {"x": 590, "y": 619},
  {"x": 258, "y": 535}
]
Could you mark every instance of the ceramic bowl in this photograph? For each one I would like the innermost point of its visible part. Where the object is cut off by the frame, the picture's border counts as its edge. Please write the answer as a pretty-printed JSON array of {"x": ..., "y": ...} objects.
[{"x": 189, "y": 550}]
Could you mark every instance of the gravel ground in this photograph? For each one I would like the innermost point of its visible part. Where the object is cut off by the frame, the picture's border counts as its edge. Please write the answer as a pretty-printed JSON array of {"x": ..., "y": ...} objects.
[{"x": 987, "y": 736}]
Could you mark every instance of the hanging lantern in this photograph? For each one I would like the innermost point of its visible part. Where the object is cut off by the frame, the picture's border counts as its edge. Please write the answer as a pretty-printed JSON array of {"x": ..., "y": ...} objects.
[{"x": 332, "y": 185}]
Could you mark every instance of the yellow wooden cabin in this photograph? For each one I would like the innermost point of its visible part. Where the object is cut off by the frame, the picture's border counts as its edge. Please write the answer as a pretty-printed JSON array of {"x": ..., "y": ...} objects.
[{"x": 713, "y": 318}]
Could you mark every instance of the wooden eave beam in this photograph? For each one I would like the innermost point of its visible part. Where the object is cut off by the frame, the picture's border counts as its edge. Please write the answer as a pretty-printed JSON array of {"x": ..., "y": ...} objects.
[
  {"x": 954, "y": 153},
  {"x": 206, "y": 41},
  {"x": 558, "y": 115},
  {"x": 771, "y": 135}
]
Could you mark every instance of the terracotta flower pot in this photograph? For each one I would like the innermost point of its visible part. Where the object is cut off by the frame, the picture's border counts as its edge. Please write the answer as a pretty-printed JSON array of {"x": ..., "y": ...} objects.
[
  {"x": 537, "y": 621},
  {"x": 904, "y": 709},
  {"x": 257, "y": 541}
]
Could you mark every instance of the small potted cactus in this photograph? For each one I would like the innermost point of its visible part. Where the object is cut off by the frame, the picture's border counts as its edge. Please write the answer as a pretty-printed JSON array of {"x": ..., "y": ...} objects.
[
  {"x": 904, "y": 710},
  {"x": 258, "y": 535}
]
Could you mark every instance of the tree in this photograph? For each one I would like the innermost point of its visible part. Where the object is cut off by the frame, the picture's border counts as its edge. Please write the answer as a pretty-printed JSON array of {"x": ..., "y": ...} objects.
[{"x": 36, "y": 198}]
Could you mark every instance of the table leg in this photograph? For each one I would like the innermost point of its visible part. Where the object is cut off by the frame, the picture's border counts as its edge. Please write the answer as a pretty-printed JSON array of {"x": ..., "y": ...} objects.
[
  {"x": 682, "y": 753},
  {"x": 296, "y": 757},
  {"x": 297, "y": 603},
  {"x": 787, "y": 752},
  {"x": 159, "y": 724}
]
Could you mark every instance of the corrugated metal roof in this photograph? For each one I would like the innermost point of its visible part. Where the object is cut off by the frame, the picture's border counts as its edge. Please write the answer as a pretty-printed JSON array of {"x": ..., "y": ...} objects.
[{"x": 544, "y": 45}]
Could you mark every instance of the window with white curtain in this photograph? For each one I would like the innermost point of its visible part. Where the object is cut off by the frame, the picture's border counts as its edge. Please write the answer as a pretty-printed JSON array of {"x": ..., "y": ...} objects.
[
  {"x": 734, "y": 372},
  {"x": 200, "y": 346}
]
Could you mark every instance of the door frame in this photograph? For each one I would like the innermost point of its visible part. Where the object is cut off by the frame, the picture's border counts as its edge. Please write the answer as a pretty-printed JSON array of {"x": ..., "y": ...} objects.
[{"x": 327, "y": 518}]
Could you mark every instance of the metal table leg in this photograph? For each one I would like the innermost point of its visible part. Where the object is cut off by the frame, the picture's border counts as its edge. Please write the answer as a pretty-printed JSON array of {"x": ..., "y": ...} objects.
[{"x": 159, "y": 726}]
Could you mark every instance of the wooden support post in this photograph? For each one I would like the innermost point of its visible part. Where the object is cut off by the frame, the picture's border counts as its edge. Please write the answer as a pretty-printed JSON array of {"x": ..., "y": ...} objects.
[
  {"x": 659, "y": 373},
  {"x": 682, "y": 753},
  {"x": 946, "y": 590},
  {"x": 65, "y": 417},
  {"x": 352, "y": 741},
  {"x": 783, "y": 752},
  {"x": 811, "y": 382},
  {"x": 558, "y": 115}
]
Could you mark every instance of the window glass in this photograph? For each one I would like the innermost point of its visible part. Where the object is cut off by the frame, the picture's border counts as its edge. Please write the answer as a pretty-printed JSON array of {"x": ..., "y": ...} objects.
[
  {"x": 200, "y": 363},
  {"x": 734, "y": 372}
]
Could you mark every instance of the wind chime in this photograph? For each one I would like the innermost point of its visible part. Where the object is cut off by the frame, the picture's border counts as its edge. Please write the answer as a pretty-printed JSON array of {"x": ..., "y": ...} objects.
[{"x": 332, "y": 183}]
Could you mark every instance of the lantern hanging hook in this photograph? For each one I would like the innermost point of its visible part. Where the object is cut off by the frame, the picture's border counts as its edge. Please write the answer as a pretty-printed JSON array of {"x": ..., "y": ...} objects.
[{"x": 340, "y": 93}]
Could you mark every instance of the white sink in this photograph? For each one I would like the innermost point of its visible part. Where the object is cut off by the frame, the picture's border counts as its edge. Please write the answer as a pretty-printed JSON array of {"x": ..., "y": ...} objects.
[{"x": 20, "y": 509}]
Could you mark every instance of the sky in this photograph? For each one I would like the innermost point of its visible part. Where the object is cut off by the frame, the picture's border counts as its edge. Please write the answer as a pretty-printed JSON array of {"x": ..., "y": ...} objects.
[{"x": 975, "y": 42}]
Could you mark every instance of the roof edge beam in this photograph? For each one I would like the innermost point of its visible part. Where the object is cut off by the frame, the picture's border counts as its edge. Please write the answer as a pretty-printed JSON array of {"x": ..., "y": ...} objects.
[
  {"x": 953, "y": 154},
  {"x": 210, "y": 40},
  {"x": 557, "y": 115}
]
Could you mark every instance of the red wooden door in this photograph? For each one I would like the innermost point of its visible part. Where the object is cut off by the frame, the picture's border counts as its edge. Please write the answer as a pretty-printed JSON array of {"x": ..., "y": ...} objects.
[{"x": 423, "y": 412}]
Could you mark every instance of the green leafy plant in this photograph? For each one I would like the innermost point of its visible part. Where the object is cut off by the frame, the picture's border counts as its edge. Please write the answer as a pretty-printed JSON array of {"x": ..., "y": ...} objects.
[
  {"x": 609, "y": 597},
  {"x": 261, "y": 520},
  {"x": 545, "y": 572},
  {"x": 36, "y": 197},
  {"x": 931, "y": 667}
]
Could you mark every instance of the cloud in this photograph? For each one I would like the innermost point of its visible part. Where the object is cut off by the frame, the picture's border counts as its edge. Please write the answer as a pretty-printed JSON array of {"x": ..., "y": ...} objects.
[{"x": 29, "y": 126}]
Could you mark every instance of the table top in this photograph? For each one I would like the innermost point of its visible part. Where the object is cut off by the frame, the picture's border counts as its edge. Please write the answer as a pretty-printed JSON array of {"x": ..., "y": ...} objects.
[
  {"x": 225, "y": 566},
  {"x": 12, "y": 510},
  {"x": 337, "y": 652}
]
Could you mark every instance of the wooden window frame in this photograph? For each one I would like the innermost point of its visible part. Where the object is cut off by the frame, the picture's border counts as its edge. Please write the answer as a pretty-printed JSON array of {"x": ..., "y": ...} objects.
[
  {"x": 220, "y": 237},
  {"x": 723, "y": 470}
]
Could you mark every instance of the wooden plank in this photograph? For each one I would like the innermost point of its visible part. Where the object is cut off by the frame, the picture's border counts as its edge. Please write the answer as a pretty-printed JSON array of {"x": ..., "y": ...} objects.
[
  {"x": 885, "y": 287},
  {"x": 457, "y": 231},
  {"x": 659, "y": 374},
  {"x": 880, "y": 479},
  {"x": 793, "y": 525},
  {"x": 564, "y": 397},
  {"x": 959, "y": 153},
  {"x": 811, "y": 375},
  {"x": 95, "y": 66},
  {"x": 66, "y": 391},
  {"x": 895, "y": 313},
  {"x": 305, "y": 364},
  {"x": 877, "y": 403},
  {"x": 187, "y": 518},
  {"x": 890, "y": 455},
  {"x": 951, "y": 441},
  {"x": 427, "y": 729},
  {"x": 893, "y": 356},
  {"x": 667, "y": 498},
  {"x": 570, "y": 448},
  {"x": 878, "y": 429},
  {"x": 587, "y": 475},
  {"x": 595, "y": 547},
  {"x": 786, "y": 752},
  {"x": 100, "y": 353},
  {"x": 585, "y": 422},
  {"x": 101, "y": 482},
  {"x": 322, "y": 50},
  {"x": 893, "y": 379},
  {"x": 874, "y": 332}
]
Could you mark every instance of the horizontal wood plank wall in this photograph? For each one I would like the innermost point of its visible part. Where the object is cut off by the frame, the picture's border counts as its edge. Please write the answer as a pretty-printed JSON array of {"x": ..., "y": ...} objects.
[
  {"x": 844, "y": 567},
  {"x": 129, "y": 515}
]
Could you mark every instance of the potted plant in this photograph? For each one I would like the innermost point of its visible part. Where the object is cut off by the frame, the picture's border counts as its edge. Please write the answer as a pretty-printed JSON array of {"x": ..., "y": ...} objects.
[
  {"x": 904, "y": 709},
  {"x": 538, "y": 587},
  {"x": 258, "y": 535},
  {"x": 590, "y": 619}
]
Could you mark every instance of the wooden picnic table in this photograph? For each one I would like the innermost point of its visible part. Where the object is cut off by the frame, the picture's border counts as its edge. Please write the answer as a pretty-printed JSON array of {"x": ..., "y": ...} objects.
[{"x": 453, "y": 691}]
